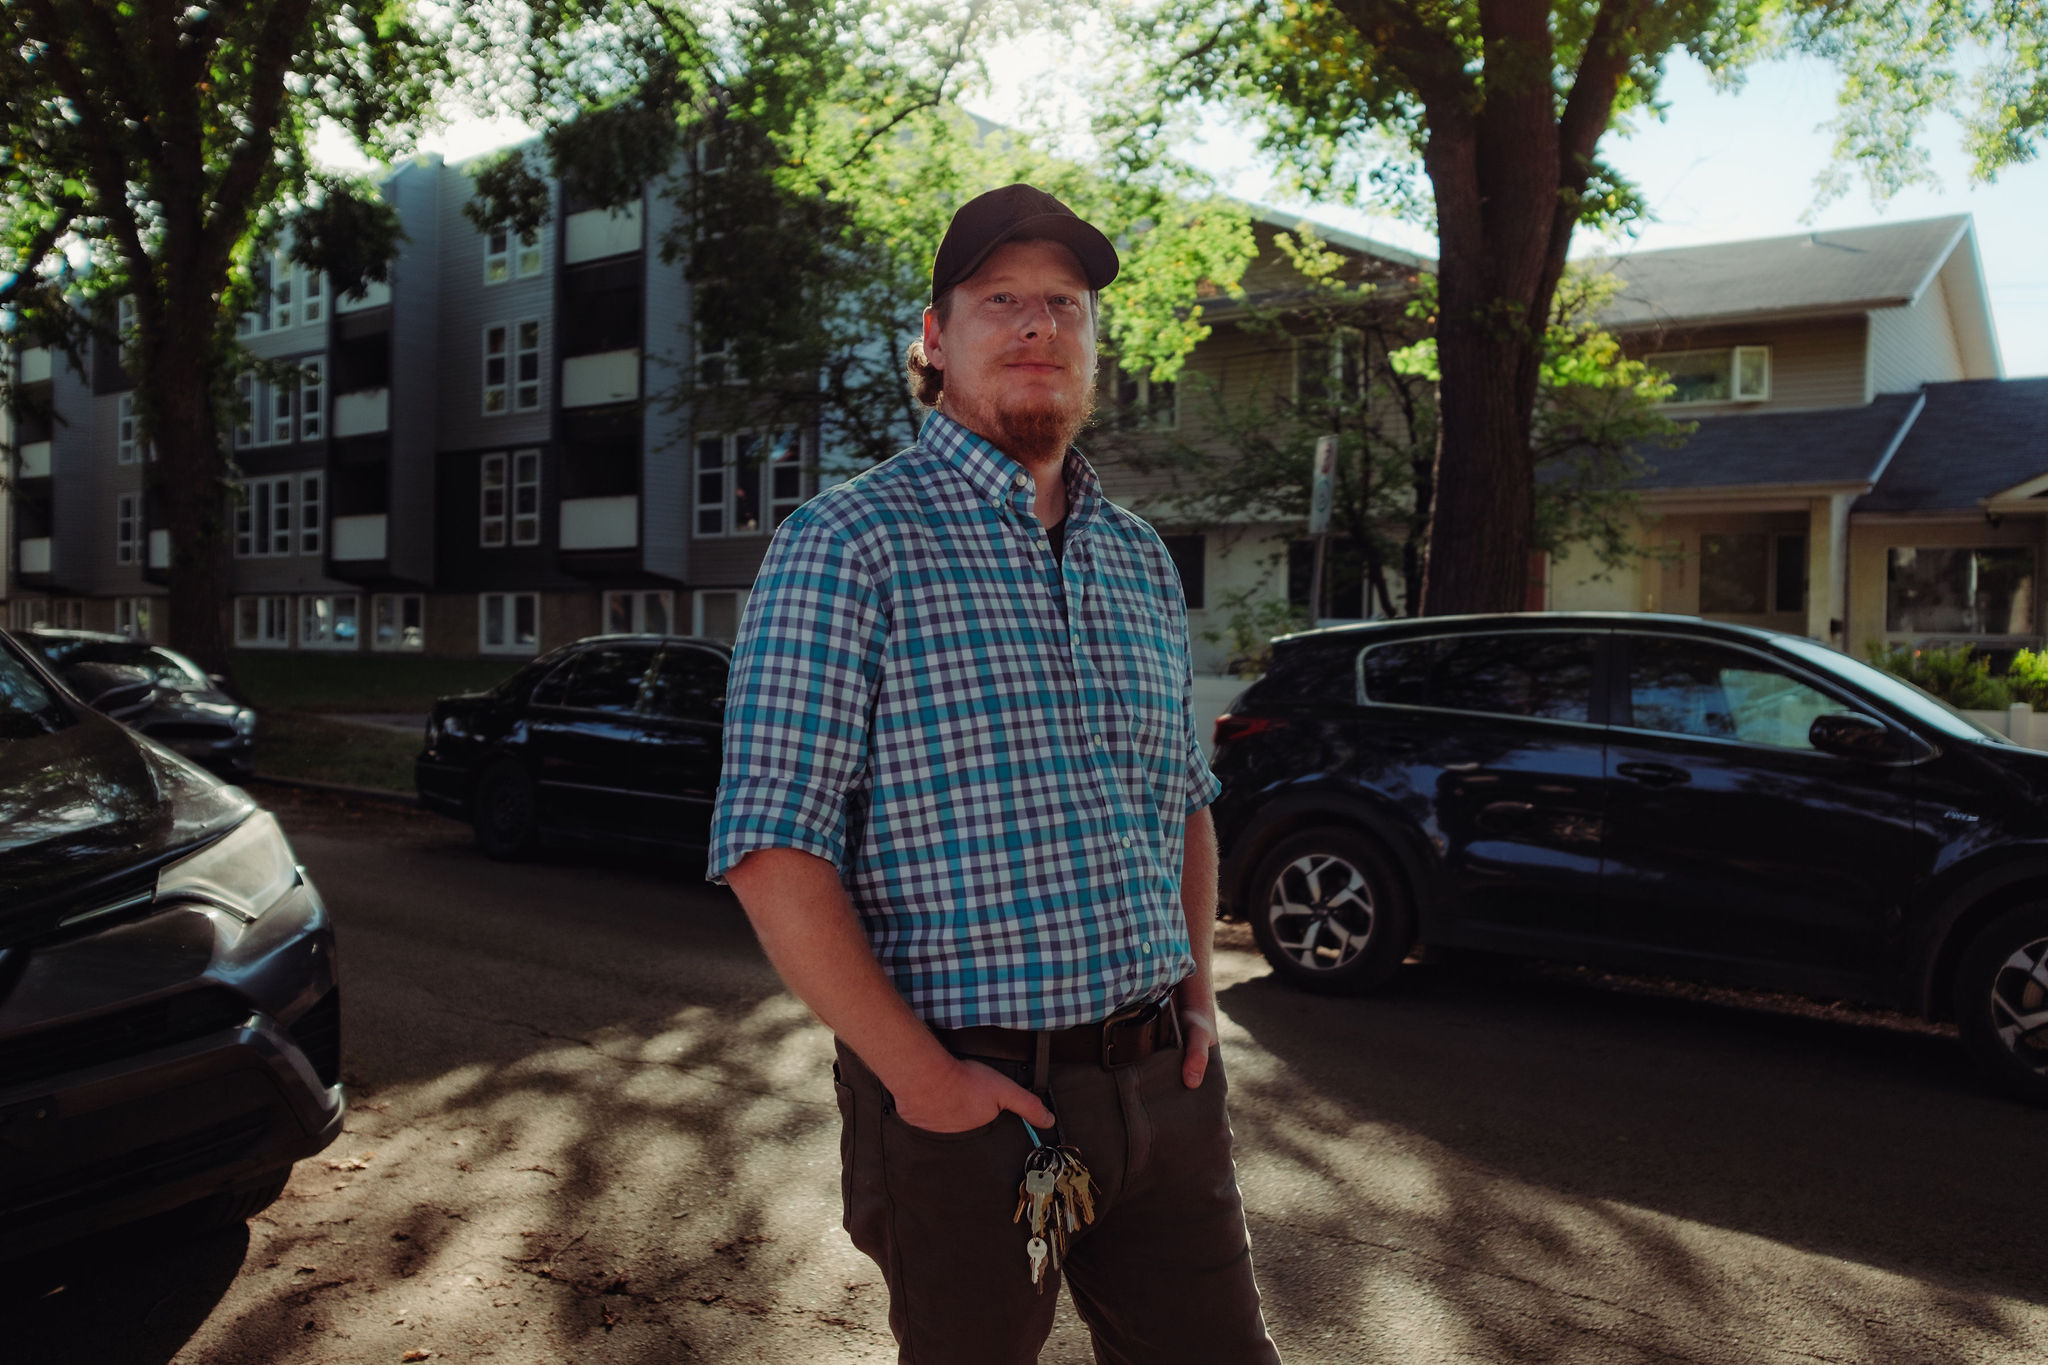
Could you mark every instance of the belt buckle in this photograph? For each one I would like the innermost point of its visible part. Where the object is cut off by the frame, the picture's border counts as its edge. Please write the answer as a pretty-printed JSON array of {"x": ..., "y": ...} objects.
[{"x": 1130, "y": 1027}]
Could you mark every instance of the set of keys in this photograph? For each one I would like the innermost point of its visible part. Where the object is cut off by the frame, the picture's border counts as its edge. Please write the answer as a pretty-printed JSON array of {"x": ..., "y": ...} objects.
[{"x": 1058, "y": 1194}]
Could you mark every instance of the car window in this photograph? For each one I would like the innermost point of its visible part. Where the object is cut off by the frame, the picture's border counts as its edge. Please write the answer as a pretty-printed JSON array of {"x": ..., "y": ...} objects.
[
  {"x": 1546, "y": 674},
  {"x": 689, "y": 685},
  {"x": 607, "y": 678},
  {"x": 26, "y": 706},
  {"x": 1689, "y": 687},
  {"x": 1398, "y": 674}
]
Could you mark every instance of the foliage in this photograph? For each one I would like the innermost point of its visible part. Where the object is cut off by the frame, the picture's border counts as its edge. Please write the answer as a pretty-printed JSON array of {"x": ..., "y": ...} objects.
[
  {"x": 1958, "y": 675},
  {"x": 1255, "y": 618}
]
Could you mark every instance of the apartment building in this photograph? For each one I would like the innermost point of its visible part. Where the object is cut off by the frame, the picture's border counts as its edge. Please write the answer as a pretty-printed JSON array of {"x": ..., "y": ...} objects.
[{"x": 473, "y": 459}]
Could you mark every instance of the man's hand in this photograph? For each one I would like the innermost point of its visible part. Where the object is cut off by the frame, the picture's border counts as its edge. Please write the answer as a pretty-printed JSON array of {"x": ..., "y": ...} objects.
[
  {"x": 1197, "y": 1036},
  {"x": 969, "y": 1097}
]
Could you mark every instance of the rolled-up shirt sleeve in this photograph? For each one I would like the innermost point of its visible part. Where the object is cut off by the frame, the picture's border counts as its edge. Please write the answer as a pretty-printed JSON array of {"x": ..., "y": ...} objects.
[
  {"x": 804, "y": 673},
  {"x": 1203, "y": 785}
]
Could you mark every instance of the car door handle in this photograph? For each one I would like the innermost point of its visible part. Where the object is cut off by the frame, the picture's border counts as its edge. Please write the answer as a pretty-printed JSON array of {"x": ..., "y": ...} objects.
[{"x": 1653, "y": 774}]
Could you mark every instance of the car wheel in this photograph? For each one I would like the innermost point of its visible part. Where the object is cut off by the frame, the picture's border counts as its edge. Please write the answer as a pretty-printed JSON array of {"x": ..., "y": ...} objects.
[
  {"x": 232, "y": 1207},
  {"x": 505, "y": 812},
  {"x": 1329, "y": 912},
  {"x": 2001, "y": 1001}
]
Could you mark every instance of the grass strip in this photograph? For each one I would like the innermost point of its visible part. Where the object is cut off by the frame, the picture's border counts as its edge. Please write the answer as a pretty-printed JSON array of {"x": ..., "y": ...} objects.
[
  {"x": 309, "y": 680},
  {"x": 291, "y": 744}
]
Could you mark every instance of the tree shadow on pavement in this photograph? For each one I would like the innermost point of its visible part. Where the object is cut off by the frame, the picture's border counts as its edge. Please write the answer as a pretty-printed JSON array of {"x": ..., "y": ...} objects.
[{"x": 1559, "y": 1169}]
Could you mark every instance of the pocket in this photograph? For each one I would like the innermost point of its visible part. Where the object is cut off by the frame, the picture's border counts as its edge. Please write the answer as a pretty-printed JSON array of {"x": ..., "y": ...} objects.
[{"x": 843, "y": 1093}]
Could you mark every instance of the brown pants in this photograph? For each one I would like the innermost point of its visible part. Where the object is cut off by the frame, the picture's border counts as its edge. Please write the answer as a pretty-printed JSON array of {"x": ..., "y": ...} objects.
[{"x": 1164, "y": 1274}]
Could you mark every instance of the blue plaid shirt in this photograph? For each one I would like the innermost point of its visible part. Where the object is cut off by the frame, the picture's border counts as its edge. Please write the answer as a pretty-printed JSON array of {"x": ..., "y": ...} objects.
[{"x": 997, "y": 750}]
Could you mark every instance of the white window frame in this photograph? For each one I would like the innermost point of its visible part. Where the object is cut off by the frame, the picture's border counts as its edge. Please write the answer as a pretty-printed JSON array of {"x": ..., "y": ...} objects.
[
  {"x": 132, "y": 616},
  {"x": 505, "y": 605},
  {"x": 779, "y": 507},
  {"x": 697, "y": 600},
  {"x": 397, "y": 601},
  {"x": 283, "y": 276},
  {"x": 524, "y": 478},
  {"x": 1141, "y": 402},
  {"x": 262, "y": 507},
  {"x": 1338, "y": 342},
  {"x": 127, "y": 528},
  {"x": 721, "y": 356},
  {"x": 526, "y": 393},
  {"x": 273, "y": 619},
  {"x": 312, "y": 398},
  {"x": 509, "y": 255},
  {"x": 529, "y": 259},
  {"x": 497, "y": 254},
  {"x": 250, "y": 392},
  {"x": 1736, "y": 356},
  {"x": 127, "y": 430},
  {"x": 502, "y": 389},
  {"x": 312, "y": 513},
  {"x": 636, "y": 611},
  {"x": 328, "y": 636},
  {"x": 493, "y": 476},
  {"x": 124, "y": 316},
  {"x": 312, "y": 296},
  {"x": 770, "y": 511}
]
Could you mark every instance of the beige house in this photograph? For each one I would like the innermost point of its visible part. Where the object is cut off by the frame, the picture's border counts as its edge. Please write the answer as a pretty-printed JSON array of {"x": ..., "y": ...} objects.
[{"x": 1860, "y": 471}]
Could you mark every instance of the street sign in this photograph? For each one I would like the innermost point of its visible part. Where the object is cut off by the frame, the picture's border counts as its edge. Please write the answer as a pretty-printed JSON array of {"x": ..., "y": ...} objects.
[{"x": 1324, "y": 492}]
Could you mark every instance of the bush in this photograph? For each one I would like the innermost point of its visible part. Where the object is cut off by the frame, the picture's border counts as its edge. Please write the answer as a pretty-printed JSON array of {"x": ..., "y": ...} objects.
[{"x": 1960, "y": 677}]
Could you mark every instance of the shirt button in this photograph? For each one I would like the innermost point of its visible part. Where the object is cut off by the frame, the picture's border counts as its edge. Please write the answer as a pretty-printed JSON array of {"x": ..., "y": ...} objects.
[
  {"x": 1021, "y": 481},
  {"x": 1098, "y": 741},
  {"x": 1127, "y": 841},
  {"x": 1146, "y": 946}
]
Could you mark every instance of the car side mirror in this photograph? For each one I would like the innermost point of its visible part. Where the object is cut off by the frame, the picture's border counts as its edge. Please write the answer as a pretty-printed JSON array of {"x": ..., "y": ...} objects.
[{"x": 1850, "y": 734}]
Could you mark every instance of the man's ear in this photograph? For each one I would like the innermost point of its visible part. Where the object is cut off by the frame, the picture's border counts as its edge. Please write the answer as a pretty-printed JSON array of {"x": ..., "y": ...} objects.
[{"x": 934, "y": 350}]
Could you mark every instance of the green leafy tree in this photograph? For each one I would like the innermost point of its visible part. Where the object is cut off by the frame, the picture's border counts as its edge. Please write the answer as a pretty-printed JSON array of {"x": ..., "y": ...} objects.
[
  {"x": 151, "y": 151},
  {"x": 1376, "y": 386},
  {"x": 1501, "y": 107}
]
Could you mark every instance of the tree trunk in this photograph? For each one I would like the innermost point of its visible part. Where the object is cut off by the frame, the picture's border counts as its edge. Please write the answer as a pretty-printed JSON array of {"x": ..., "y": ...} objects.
[
  {"x": 188, "y": 473},
  {"x": 1485, "y": 506}
]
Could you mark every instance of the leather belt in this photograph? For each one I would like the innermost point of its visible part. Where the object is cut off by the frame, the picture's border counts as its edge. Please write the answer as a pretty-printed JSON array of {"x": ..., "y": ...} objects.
[{"x": 1125, "y": 1038}]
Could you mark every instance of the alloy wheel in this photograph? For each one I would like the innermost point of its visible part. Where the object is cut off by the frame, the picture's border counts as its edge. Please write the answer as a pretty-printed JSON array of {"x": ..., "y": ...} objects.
[
  {"x": 2019, "y": 1005},
  {"x": 1321, "y": 911}
]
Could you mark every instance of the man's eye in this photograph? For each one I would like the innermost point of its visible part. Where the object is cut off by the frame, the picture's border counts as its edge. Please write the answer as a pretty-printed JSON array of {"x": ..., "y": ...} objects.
[{"x": 1001, "y": 298}]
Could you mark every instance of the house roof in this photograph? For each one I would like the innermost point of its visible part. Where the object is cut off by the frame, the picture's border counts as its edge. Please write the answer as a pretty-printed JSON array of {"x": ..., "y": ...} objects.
[
  {"x": 1843, "y": 270},
  {"x": 1823, "y": 446},
  {"x": 1977, "y": 439}
]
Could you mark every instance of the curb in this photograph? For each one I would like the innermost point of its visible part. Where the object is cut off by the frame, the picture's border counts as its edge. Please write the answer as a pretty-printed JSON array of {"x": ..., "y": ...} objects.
[{"x": 308, "y": 784}]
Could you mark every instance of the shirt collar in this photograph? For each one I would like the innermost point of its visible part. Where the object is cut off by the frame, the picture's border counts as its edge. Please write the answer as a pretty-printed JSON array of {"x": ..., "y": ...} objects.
[{"x": 996, "y": 479}]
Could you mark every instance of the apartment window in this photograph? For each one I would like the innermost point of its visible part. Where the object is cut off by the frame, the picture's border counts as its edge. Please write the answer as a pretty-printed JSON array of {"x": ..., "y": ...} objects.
[
  {"x": 505, "y": 255},
  {"x": 327, "y": 622},
  {"x": 715, "y": 361},
  {"x": 56, "y": 613},
  {"x": 127, "y": 441},
  {"x": 281, "y": 273},
  {"x": 257, "y": 319},
  {"x": 730, "y": 481},
  {"x": 1960, "y": 590},
  {"x": 718, "y": 614},
  {"x": 263, "y": 622},
  {"x": 497, "y": 342},
  {"x": 526, "y": 368},
  {"x": 124, "y": 316},
  {"x": 1190, "y": 558},
  {"x": 263, "y": 518},
  {"x": 312, "y": 518},
  {"x": 638, "y": 613},
  {"x": 1331, "y": 369},
  {"x": 510, "y": 499},
  {"x": 313, "y": 299},
  {"x": 245, "y": 421},
  {"x": 398, "y": 621},
  {"x": 508, "y": 623},
  {"x": 1726, "y": 374},
  {"x": 131, "y": 617},
  {"x": 1145, "y": 403},
  {"x": 127, "y": 527},
  {"x": 313, "y": 398}
]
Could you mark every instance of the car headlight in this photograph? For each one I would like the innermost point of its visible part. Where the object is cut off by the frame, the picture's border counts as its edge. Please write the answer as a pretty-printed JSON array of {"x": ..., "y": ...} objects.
[{"x": 245, "y": 873}]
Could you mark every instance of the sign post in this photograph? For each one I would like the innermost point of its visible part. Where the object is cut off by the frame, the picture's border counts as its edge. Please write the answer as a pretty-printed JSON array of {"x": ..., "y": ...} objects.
[{"x": 1322, "y": 494}]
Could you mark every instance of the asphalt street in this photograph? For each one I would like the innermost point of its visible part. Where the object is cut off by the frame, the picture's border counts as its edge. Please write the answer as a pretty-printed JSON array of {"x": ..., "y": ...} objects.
[{"x": 589, "y": 1126}]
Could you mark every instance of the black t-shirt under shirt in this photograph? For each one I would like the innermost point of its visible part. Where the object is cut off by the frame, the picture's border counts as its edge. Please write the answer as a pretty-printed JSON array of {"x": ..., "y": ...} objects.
[{"x": 1057, "y": 534}]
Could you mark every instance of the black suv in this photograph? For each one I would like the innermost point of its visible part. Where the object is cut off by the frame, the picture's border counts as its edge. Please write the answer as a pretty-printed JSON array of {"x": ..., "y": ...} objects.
[
  {"x": 614, "y": 739},
  {"x": 1644, "y": 793}
]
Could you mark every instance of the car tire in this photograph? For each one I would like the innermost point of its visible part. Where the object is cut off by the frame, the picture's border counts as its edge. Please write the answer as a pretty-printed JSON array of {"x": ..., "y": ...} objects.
[
  {"x": 231, "y": 1208},
  {"x": 505, "y": 812},
  {"x": 2001, "y": 1001},
  {"x": 1329, "y": 911}
]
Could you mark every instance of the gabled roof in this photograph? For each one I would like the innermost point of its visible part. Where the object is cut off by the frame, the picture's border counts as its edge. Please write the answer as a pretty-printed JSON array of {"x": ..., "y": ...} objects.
[
  {"x": 1832, "y": 447},
  {"x": 1812, "y": 274},
  {"x": 1977, "y": 440}
]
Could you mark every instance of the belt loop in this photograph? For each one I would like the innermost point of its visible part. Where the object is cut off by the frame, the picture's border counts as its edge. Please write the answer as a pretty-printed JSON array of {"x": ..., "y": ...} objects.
[{"x": 1041, "y": 1066}]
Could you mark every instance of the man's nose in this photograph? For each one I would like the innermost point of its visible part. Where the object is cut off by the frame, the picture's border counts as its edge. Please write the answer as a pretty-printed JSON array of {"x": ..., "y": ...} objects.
[{"x": 1039, "y": 322}]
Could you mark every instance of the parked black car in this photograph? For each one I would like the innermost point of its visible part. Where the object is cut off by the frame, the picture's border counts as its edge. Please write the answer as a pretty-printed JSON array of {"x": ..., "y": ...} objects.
[
  {"x": 170, "y": 1029},
  {"x": 187, "y": 710},
  {"x": 617, "y": 739},
  {"x": 1644, "y": 793}
]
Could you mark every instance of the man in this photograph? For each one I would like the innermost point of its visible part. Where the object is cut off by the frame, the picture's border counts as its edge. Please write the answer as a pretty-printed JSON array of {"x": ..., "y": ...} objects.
[{"x": 965, "y": 809}]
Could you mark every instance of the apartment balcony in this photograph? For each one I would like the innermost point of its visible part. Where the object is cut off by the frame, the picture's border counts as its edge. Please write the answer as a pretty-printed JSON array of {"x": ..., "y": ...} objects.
[
  {"x": 601, "y": 523},
  {"x": 365, "y": 412},
  {"x": 606, "y": 377},
  {"x": 35, "y": 460},
  {"x": 35, "y": 555},
  {"x": 596, "y": 233},
  {"x": 35, "y": 365},
  {"x": 359, "y": 538},
  {"x": 378, "y": 296}
]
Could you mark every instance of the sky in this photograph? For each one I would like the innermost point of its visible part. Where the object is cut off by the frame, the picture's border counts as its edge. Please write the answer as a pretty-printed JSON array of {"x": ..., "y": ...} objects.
[{"x": 1720, "y": 167}]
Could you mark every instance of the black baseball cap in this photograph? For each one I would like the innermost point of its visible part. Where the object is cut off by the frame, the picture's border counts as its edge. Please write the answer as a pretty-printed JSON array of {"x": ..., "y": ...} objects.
[{"x": 986, "y": 221}]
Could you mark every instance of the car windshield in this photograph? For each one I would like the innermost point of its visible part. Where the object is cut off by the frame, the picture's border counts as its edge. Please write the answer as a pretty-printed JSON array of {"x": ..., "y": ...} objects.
[
  {"x": 166, "y": 666},
  {"x": 26, "y": 706},
  {"x": 1916, "y": 702}
]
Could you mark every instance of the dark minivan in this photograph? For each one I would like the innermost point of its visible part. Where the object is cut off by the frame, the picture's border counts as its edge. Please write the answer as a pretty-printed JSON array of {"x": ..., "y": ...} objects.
[
  {"x": 1645, "y": 793},
  {"x": 612, "y": 739}
]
